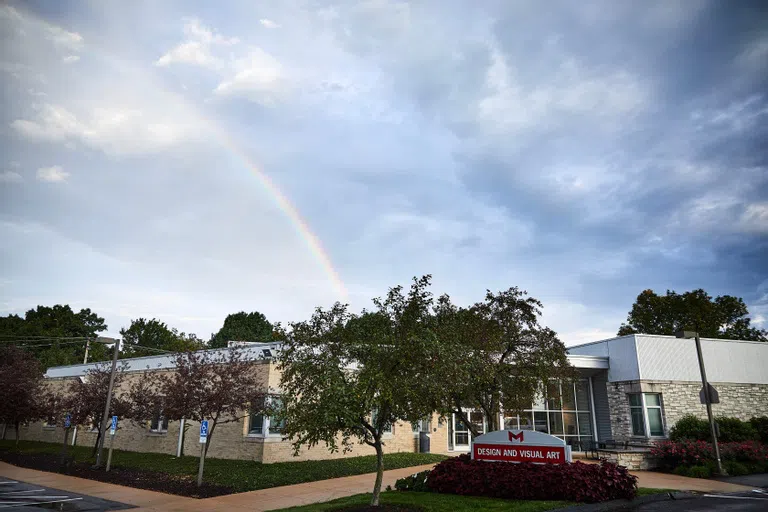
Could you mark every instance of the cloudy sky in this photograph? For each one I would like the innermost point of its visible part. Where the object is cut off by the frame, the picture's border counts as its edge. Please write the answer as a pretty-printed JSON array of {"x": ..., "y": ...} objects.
[{"x": 185, "y": 160}]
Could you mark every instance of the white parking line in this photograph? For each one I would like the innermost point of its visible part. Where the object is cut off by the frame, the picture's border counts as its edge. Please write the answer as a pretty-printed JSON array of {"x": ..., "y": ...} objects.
[
  {"x": 37, "y": 503},
  {"x": 733, "y": 497},
  {"x": 19, "y": 492},
  {"x": 47, "y": 497}
]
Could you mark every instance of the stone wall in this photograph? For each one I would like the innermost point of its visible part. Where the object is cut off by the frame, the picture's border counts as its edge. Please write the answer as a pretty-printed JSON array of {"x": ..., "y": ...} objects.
[
  {"x": 632, "y": 460},
  {"x": 741, "y": 401}
]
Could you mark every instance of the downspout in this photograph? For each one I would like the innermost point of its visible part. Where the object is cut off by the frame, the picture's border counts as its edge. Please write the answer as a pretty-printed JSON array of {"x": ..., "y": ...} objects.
[
  {"x": 74, "y": 435},
  {"x": 181, "y": 438}
]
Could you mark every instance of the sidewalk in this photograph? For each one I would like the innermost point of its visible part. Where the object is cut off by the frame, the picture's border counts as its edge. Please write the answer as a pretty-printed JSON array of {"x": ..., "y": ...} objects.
[{"x": 293, "y": 495}]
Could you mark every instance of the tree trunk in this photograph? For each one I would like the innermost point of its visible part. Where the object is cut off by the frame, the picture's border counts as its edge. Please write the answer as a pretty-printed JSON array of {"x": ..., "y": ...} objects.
[
  {"x": 379, "y": 472},
  {"x": 183, "y": 438},
  {"x": 96, "y": 446},
  {"x": 210, "y": 436},
  {"x": 17, "y": 434}
]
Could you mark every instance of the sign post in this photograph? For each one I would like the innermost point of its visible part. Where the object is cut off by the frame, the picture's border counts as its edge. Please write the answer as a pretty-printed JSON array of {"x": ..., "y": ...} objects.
[
  {"x": 203, "y": 441},
  {"x": 521, "y": 446},
  {"x": 67, "y": 425},
  {"x": 112, "y": 432}
]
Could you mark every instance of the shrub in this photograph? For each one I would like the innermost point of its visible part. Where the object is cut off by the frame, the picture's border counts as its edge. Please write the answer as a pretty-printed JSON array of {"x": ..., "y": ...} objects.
[
  {"x": 699, "y": 472},
  {"x": 733, "y": 430},
  {"x": 747, "y": 451},
  {"x": 690, "y": 427},
  {"x": 672, "y": 454},
  {"x": 577, "y": 481},
  {"x": 734, "y": 468},
  {"x": 681, "y": 470},
  {"x": 416, "y": 482},
  {"x": 760, "y": 424}
]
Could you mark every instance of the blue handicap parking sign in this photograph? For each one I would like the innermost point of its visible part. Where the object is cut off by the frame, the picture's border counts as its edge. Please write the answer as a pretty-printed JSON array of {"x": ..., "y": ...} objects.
[
  {"x": 114, "y": 424},
  {"x": 67, "y": 420},
  {"x": 204, "y": 428}
]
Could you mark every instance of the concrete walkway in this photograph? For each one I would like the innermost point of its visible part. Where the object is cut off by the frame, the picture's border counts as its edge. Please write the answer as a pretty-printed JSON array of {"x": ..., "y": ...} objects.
[{"x": 293, "y": 495}]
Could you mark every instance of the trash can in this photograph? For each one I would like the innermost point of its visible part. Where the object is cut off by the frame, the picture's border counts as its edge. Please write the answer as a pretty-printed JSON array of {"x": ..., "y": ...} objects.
[{"x": 423, "y": 442}]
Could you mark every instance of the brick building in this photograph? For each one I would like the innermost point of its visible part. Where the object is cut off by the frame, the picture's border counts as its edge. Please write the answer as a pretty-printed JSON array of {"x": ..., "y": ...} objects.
[{"x": 629, "y": 388}]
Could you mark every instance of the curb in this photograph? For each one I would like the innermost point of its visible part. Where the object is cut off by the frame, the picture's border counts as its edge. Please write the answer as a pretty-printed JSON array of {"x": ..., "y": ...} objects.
[{"x": 626, "y": 504}]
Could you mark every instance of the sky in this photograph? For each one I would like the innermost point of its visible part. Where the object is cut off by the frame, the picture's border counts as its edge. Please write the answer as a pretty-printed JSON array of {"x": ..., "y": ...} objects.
[{"x": 187, "y": 160}]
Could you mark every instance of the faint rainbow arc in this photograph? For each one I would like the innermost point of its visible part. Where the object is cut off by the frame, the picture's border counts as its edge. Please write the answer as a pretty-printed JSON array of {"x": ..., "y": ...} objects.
[{"x": 281, "y": 201}]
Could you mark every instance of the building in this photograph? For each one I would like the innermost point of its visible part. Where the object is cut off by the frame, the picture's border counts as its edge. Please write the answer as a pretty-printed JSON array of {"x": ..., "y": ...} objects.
[{"x": 630, "y": 388}]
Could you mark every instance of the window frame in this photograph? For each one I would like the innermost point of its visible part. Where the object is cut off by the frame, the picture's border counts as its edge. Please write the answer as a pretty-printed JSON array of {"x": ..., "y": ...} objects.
[
  {"x": 162, "y": 421},
  {"x": 644, "y": 407},
  {"x": 266, "y": 423}
]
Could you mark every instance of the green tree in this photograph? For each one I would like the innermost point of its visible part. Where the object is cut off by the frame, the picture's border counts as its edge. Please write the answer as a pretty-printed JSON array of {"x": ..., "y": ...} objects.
[
  {"x": 23, "y": 391},
  {"x": 56, "y": 335},
  {"x": 349, "y": 377},
  {"x": 493, "y": 356},
  {"x": 722, "y": 317},
  {"x": 156, "y": 334},
  {"x": 243, "y": 326}
]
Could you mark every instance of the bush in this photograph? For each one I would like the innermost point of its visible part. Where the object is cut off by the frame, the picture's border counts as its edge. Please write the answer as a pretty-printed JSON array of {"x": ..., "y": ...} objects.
[
  {"x": 672, "y": 454},
  {"x": 690, "y": 427},
  {"x": 733, "y": 430},
  {"x": 760, "y": 424},
  {"x": 577, "y": 481},
  {"x": 699, "y": 472},
  {"x": 416, "y": 482},
  {"x": 734, "y": 468},
  {"x": 681, "y": 470},
  {"x": 748, "y": 451}
]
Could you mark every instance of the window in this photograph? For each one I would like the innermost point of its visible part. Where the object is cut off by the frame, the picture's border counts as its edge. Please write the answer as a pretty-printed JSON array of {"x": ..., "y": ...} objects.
[
  {"x": 50, "y": 422},
  {"x": 386, "y": 429},
  {"x": 159, "y": 422},
  {"x": 645, "y": 413},
  {"x": 275, "y": 424},
  {"x": 256, "y": 424},
  {"x": 422, "y": 426}
]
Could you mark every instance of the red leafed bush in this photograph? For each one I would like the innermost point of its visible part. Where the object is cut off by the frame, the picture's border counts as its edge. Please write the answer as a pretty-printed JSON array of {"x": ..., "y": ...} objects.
[
  {"x": 672, "y": 454},
  {"x": 588, "y": 483},
  {"x": 686, "y": 452}
]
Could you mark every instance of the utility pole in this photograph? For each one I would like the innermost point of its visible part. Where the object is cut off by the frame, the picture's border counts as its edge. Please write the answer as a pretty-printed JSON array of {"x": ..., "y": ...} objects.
[
  {"x": 707, "y": 397},
  {"x": 87, "y": 346},
  {"x": 105, "y": 417}
]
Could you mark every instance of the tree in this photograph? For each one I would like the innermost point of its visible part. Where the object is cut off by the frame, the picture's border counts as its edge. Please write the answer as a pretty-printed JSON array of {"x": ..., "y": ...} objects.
[
  {"x": 243, "y": 326},
  {"x": 349, "y": 377},
  {"x": 494, "y": 356},
  {"x": 22, "y": 377},
  {"x": 218, "y": 386},
  {"x": 86, "y": 397},
  {"x": 724, "y": 317},
  {"x": 156, "y": 334},
  {"x": 51, "y": 334}
]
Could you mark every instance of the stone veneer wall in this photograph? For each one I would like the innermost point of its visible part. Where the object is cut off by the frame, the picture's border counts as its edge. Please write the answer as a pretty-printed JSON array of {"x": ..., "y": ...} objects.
[
  {"x": 741, "y": 401},
  {"x": 632, "y": 460}
]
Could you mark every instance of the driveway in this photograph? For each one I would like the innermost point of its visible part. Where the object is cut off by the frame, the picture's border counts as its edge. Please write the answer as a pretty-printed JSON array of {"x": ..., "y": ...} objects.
[{"x": 755, "y": 501}]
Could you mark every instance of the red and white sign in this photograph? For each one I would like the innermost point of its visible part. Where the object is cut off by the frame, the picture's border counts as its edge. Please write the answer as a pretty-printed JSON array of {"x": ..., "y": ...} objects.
[{"x": 521, "y": 446}]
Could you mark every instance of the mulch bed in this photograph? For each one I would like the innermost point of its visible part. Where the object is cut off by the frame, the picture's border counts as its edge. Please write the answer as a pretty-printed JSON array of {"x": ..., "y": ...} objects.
[
  {"x": 181, "y": 485},
  {"x": 380, "y": 508}
]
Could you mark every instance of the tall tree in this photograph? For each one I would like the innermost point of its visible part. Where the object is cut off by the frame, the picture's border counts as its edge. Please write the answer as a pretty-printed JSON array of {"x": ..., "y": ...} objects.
[
  {"x": 349, "y": 378},
  {"x": 723, "y": 317},
  {"x": 86, "y": 397},
  {"x": 220, "y": 386},
  {"x": 22, "y": 395},
  {"x": 51, "y": 334},
  {"x": 493, "y": 356},
  {"x": 156, "y": 334},
  {"x": 243, "y": 326}
]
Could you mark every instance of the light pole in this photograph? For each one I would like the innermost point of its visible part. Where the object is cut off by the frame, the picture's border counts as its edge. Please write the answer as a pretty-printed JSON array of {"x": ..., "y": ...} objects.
[
  {"x": 105, "y": 416},
  {"x": 707, "y": 398}
]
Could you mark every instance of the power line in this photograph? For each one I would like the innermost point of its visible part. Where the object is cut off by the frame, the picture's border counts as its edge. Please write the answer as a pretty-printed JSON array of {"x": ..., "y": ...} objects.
[
  {"x": 40, "y": 336},
  {"x": 50, "y": 344},
  {"x": 46, "y": 338}
]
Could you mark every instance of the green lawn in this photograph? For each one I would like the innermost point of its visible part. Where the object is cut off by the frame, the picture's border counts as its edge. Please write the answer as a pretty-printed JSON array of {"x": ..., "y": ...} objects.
[
  {"x": 436, "y": 503},
  {"x": 240, "y": 475}
]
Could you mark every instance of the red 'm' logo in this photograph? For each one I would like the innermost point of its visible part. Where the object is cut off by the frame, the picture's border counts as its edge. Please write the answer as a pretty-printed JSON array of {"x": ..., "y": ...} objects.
[{"x": 519, "y": 436}]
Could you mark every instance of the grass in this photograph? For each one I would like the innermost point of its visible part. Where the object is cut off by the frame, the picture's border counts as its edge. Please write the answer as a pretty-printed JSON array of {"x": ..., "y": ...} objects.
[
  {"x": 436, "y": 503},
  {"x": 240, "y": 475}
]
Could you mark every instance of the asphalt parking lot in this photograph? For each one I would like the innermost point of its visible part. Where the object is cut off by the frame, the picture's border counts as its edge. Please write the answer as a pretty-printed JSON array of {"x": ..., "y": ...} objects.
[{"x": 15, "y": 495}]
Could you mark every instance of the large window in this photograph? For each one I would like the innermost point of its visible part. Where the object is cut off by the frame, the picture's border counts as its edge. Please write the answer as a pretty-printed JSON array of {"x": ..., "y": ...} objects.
[
  {"x": 259, "y": 424},
  {"x": 562, "y": 410},
  {"x": 646, "y": 415},
  {"x": 459, "y": 432}
]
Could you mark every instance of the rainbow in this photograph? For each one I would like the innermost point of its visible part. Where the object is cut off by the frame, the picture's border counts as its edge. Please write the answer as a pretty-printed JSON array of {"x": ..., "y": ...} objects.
[{"x": 300, "y": 225}]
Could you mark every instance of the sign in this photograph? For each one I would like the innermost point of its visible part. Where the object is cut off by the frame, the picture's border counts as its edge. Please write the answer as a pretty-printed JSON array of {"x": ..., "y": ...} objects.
[
  {"x": 67, "y": 420},
  {"x": 203, "y": 431},
  {"x": 714, "y": 397},
  {"x": 520, "y": 446},
  {"x": 113, "y": 428}
]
